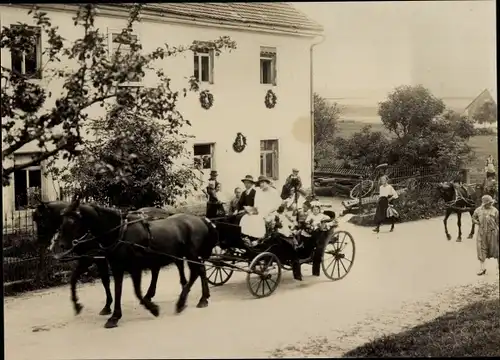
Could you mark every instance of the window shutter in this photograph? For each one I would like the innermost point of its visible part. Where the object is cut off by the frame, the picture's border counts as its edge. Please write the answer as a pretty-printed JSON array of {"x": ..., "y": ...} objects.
[
  {"x": 212, "y": 60},
  {"x": 275, "y": 69},
  {"x": 276, "y": 160}
]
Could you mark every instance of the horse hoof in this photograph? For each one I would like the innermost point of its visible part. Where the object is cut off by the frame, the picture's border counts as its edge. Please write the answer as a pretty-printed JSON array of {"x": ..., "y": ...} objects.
[
  {"x": 180, "y": 308},
  {"x": 105, "y": 311},
  {"x": 202, "y": 304},
  {"x": 448, "y": 237},
  {"x": 111, "y": 323},
  {"x": 459, "y": 239},
  {"x": 78, "y": 309},
  {"x": 154, "y": 309},
  {"x": 470, "y": 236}
]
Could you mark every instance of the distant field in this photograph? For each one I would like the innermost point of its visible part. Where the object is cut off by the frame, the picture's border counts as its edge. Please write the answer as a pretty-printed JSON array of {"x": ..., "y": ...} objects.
[
  {"x": 483, "y": 145},
  {"x": 348, "y": 127}
]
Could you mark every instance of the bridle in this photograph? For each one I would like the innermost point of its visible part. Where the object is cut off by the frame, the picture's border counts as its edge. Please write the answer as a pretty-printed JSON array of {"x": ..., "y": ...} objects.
[{"x": 88, "y": 237}]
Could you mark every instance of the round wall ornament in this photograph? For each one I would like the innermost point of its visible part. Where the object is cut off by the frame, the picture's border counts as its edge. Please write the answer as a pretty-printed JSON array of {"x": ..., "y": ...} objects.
[
  {"x": 271, "y": 99},
  {"x": 206, "y": 99},
  {"x": 240, "y": 143}
]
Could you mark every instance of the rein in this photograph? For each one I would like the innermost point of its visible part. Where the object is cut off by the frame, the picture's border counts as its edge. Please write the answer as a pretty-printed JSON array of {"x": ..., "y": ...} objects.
[{"x": 82, "y": 240}]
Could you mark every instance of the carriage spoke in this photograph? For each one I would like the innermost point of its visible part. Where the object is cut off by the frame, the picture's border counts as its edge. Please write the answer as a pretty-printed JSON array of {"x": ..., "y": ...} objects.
[
  {"x": 333, "y": 269},
  {"x": 258, "y": 286},
  {"x": 263, "y": 287},
  {"x": 343, "y": 265},
  {"x": 330, "y": 264},
  {"x": 225, "y": 271},
  {"x": 269, "y": 287},
  {"x": 338, "y": 269},
  {"x": 214, "y": 269}
]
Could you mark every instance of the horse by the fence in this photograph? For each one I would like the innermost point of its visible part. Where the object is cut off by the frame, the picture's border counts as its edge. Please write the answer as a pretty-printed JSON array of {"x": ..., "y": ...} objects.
[
  {"x": 47, "y": 217},
  {"x": 132, "y": 246},
  {"x": 459, "y": 199}
]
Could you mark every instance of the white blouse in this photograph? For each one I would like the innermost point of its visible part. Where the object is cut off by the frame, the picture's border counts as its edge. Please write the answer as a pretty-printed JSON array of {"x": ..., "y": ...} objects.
[
  {"x": 266, "y": 201},
  {"x": 315, "y": 220},
  {"x": 290, "y": 202},
  {"x": 387, "y": 190}
]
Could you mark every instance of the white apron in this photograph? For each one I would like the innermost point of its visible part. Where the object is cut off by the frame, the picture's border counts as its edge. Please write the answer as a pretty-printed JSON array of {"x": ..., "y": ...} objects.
[{"x": 265, "y": 202}]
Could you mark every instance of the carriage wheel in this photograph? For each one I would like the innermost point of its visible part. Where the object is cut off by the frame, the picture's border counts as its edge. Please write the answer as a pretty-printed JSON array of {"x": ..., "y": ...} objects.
[
  {"x": 264, "y": 275},
  {"x": 362, "y": 189},
  {"x": 217, "y": 274},
  {"x": 338, "y": 255}
]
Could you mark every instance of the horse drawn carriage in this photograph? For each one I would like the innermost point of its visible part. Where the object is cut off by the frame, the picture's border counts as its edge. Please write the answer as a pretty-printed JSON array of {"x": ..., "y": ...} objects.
[{"x": 264, "y": 262}]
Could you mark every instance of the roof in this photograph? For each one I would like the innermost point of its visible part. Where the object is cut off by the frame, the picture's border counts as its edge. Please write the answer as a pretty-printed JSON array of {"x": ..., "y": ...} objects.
[
  {"x": 275, "y": 15},
  {"x": 477, "y": 98}
]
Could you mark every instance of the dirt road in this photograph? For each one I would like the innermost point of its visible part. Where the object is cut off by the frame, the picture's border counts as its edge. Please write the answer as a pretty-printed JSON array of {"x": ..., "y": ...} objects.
[{"x": 390, "y": 269}]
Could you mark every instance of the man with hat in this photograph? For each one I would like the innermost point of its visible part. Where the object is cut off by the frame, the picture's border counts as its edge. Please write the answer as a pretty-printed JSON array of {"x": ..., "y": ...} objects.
[
  {"x": 292, "y": 181},
  {"x": 247, "y": 198},
  {"x": 213, "y": 204}
]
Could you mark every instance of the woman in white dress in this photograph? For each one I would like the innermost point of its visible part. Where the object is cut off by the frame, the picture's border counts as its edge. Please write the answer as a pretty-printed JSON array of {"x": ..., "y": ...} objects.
[
  {"x": 487, "y": 244},
  {"x": 386, "y": 194},
  {"x": 267, "y": 201}
]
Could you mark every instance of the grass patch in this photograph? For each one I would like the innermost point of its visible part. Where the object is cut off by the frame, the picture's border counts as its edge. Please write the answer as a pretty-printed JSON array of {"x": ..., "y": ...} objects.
[
  {"x": 348, "y": 127},
  {"x": 471, "y": 331},
  {"x": 483, "y": 146}
]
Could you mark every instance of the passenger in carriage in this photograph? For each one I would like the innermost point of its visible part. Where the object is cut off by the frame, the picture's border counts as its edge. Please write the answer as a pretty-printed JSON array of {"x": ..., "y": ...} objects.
[
  {"x": 233, "y": 204},
  {"x": 316, "y": 218},
  {"x": 295, "y": 202},
  {"x": 266, "y": 202},
  {"x": 247, "y": 198}
]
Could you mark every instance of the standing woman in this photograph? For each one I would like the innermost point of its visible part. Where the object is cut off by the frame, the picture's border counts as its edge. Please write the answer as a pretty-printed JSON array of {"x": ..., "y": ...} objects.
[
  {"x": 486, "y": 217},
  {"x": 386, "y": 195},
  {"x": 490, "y": 168}
]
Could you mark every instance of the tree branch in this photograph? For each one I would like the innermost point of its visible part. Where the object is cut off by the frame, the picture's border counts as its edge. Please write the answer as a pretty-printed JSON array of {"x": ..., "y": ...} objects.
[{"x": 44, "y": 156}]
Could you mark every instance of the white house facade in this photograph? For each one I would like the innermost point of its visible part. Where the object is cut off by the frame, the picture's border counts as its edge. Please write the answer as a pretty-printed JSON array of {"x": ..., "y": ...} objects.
[{"x": 273, "y": 52}]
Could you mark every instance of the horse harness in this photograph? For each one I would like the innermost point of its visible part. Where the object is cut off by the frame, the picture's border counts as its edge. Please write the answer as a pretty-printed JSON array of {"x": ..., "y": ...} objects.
[
  {"x": 125, "y": 222},
  {"x": 458, "y": 197}
]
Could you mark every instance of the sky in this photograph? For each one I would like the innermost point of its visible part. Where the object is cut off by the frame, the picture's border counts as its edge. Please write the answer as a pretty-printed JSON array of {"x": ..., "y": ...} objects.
[{"x": 372, "y": 47}]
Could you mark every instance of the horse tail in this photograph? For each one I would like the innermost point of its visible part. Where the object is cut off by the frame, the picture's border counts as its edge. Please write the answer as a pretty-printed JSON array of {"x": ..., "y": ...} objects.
[{"x": 212, "y": 238}]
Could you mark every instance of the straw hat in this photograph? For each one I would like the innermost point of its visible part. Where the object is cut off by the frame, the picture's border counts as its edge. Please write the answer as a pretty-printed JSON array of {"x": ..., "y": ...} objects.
[
  {"x": 487, "y": 199},
  {"x": 315, "y": 203},
  {"x": 263, "y": 178},
  {"x": 248, "y": 178}
]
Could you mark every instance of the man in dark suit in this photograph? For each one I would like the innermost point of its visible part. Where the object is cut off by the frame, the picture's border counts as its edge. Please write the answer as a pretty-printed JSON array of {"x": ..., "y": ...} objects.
[{"x": 248, "y": 196}]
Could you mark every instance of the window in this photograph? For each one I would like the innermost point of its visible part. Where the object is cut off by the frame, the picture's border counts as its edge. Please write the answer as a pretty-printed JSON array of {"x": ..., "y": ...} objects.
[
  {"x": 27, "y": 183},
  {"x": 121, "y": 44},
  {"x": 268, "y": 65},
  {"x": 203, "y": 64},
  {"x": 204, "y": 156},
  {"x": 269, "y": 164},
  {"x": 28, "y": 61}
]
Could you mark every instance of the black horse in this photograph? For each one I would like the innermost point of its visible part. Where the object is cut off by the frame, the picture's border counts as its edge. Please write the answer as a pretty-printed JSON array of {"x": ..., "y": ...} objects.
[
  {"x": 458, "y": 199},
  {"x": 47, "y": 217},
  {"x": 133, "y": 246}
]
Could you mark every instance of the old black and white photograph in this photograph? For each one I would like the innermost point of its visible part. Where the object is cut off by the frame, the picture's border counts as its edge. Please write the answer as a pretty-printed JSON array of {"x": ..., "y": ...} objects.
[{"x": 249, "y": 180}]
